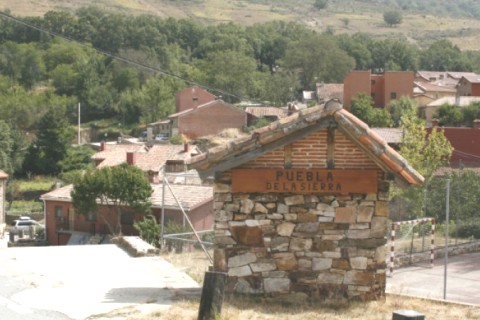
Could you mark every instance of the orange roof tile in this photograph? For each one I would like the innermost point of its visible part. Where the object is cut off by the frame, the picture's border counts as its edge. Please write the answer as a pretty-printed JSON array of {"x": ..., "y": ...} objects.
[
  {"x": 189, "y": 196},
  {"x": 230, "y": 154}
]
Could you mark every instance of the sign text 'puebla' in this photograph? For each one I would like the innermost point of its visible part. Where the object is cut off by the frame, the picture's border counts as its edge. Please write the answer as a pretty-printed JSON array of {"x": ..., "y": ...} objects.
[{"x": 304, "y": 181}]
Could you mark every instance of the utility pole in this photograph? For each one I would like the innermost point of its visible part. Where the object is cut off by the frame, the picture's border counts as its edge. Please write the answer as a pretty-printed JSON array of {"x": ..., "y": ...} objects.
[
  {"x": 447, "y": 222},
  {"x": 79, "y": 129}
]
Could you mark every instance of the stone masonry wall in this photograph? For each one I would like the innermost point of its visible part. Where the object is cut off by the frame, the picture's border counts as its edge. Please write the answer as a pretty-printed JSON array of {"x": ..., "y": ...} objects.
[{"x": 320, "y": 246}]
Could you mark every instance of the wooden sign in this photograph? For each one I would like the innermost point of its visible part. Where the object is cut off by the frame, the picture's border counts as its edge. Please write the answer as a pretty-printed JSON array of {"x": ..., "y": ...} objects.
[{"x": 304, "y": 181}]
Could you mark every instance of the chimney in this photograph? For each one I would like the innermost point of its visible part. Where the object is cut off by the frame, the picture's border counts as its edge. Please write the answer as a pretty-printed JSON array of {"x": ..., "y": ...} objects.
[
  {"x": 186, "y": 147},
  {"x": 434, "y": 122},
  {"x": 195, "y": 102},
  {"x": 103, "y": 146},
  {"x": 131, "y": 158},
  {"x": 476, "y": 124}
]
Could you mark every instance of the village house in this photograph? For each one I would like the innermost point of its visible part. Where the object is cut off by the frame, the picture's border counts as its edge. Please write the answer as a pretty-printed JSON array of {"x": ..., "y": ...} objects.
[
  {"x": 469, "y": 85},
  {"x": 192, "y": 97},
  {"x": 384, "y": 87},
  {"x": 428, "y": 111},
  {"x": 207, "y": 119},
  {"x": 152, "y": 160},
  {"x": 63, "y": 224},
  {"x": 301, "y": 206}
]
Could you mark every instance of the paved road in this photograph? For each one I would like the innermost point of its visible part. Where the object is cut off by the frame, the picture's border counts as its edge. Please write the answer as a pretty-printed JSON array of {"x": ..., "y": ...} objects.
[
  {"x": 75, "y": 282},
  {"x": 463, "y": 280}
]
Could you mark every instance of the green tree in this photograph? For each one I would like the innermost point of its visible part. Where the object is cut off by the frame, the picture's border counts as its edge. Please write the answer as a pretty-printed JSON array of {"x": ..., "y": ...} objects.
[
  {"x": 442, "y": 55},
  {"x": 317, "y": 58},
  {"x": 471, "y": 113},
  {"x": 449, "y": 115},
  {"x": 425, "y": 152},
  {"x": 6, "y": 147},
  {"x": 363, "y": 108},
  {"x": 50, "y": 147},
  {"x": 398, "y": 108},
  {"x": 149, "y": 230},
  {"x": 392, "y": 18},
  {"x": 116, "y": 188}
]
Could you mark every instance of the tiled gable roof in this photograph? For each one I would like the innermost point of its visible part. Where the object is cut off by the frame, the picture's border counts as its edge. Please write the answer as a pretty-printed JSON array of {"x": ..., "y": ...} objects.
[
  {"x": 432, "y": 87},
  {"x": 461, "y": 101},
  {"x": 115, "y": 154},
  {"x": 241, "y": 150},
  {"x": 3, "y": 175},
  {"x": 189, "y": 196},
  {"x": 203, "y": 106}
]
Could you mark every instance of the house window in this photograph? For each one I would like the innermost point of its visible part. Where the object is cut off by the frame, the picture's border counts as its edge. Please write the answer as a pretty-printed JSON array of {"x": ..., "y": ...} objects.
[
  {"x": 127, "y": 218},
  {"x": 58, "y": 212},
  {"x": 92, "y": 216},
  {"x": 372, "y": 95},
  {"x": 393, "y": 95}
]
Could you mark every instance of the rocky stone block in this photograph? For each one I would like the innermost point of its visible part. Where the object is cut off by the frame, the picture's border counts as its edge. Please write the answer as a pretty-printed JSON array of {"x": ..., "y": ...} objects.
[
  {"x": 223, "y": 216},
  {"x": 279, "y": 244},
  {"x": 248, "y": 236},
  {"x": 242, "y": 271},
  {"x": 359, "y": 263},
  {"x": 294, "y": 200},
  {"x": 307, "y": 227},
  {"x": 222, "y": 188},
  {"x": 285, "y": 229},
  {"x": 260, "y": 208},
  {"x": 246, "y": 206},
  {"x": 285, "y": 261},
  {"x": 381, "y": 209},
  {"x": 319, "y": 264},
  {"x": 241, "y": 260},
  {"x": 283, "y": 209},
  {"x": 329, "y": 278},
  {"x": 300, "y": 244},
  {"x": 379, "y": 227},
  {"x": 263, "y": 266},
  {"x": 345, "y": 215},
  {"x": 364, "y": 214},
  {"x": 276, "y": 285}
]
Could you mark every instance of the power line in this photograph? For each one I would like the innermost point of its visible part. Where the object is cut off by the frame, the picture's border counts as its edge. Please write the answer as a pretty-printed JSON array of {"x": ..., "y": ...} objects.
[{"x": 124, "y": 60}]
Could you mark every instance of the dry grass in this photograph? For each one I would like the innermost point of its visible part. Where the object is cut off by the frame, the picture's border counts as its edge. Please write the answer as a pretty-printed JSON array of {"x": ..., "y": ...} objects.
[
  {"x": 261, "y": 309},
  {"x": 194, "y": 263}
]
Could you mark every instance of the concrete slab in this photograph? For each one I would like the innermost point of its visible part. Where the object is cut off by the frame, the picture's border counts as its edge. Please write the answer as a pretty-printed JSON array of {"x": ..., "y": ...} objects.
[
  {"x": 463, "y": 280},
  {"x": 80, "y": 281}
]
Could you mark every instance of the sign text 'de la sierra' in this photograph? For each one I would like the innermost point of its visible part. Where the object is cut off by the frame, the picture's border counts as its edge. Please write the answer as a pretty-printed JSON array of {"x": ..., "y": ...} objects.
[{"x": 304, "y": 181}]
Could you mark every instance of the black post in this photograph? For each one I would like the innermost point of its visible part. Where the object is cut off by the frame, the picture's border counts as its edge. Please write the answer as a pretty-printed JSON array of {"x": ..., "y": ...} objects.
[{"x": 212, "y": 295}]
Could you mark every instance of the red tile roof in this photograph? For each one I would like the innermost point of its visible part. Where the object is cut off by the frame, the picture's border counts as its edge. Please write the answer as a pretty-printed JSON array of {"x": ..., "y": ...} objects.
[
  {"x": 227, "y": 155},
  {"x": 390, "y": 135},
  {"x": 3, "y": 175},
  {"x": 189, "y": 196},
  {"x": 148, "y": 159}
]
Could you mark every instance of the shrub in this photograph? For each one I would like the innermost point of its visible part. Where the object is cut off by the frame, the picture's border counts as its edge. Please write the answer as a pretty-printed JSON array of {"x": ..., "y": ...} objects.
[
  {"x": 468, "y": 230},
  {"x": 149, "y": 230}
]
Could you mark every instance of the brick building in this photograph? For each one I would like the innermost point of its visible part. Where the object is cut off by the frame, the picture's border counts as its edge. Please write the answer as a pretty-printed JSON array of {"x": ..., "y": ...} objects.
[
  {"x": 383, "y": 88},
  {"x": 469, "y": 86},
  {"x": 207, "y": 119},
  {"x": 301, "y": 206},
  {"x": 192, "y": 97},
  {"x": 62, "y": 222}
]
